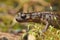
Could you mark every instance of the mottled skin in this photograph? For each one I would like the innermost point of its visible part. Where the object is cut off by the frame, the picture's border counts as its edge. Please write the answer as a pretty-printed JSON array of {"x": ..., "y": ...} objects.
[{"x": 46, "y": 18}]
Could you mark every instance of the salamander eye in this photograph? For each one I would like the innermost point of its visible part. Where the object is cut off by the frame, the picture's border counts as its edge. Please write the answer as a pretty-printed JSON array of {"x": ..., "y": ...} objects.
[{"x": 23, "y": 16}]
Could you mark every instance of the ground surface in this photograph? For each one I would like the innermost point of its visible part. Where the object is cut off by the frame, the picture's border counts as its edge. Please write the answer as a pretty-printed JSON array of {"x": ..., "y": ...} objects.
[{"x": 9, "y": 36}]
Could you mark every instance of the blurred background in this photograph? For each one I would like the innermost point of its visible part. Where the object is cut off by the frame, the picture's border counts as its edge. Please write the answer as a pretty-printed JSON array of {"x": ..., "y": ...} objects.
[{"x": 9, "y": 9}]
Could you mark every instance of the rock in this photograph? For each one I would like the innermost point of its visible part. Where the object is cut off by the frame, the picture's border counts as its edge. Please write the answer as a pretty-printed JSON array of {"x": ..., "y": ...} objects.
[{"x": 4, "y": 38}]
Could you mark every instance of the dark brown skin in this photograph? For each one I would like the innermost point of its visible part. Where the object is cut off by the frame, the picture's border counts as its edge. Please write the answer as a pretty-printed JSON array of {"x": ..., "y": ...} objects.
[{"x": 46, "y": 18}]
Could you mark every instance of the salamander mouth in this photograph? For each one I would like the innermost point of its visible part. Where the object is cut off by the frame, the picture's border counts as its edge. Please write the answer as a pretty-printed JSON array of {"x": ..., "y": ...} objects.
[{"x": 28, "y": 20}]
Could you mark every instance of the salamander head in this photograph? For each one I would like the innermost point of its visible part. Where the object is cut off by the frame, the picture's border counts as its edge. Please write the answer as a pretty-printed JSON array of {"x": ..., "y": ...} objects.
[{"x": 22, "y": 17}]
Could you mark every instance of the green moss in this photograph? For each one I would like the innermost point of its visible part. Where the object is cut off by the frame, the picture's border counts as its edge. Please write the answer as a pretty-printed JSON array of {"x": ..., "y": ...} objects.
[{"x": 18, "y": 26}]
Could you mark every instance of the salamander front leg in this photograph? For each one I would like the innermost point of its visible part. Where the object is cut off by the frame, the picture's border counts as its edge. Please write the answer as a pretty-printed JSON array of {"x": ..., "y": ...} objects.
[{"x": 46, "y": 27}]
